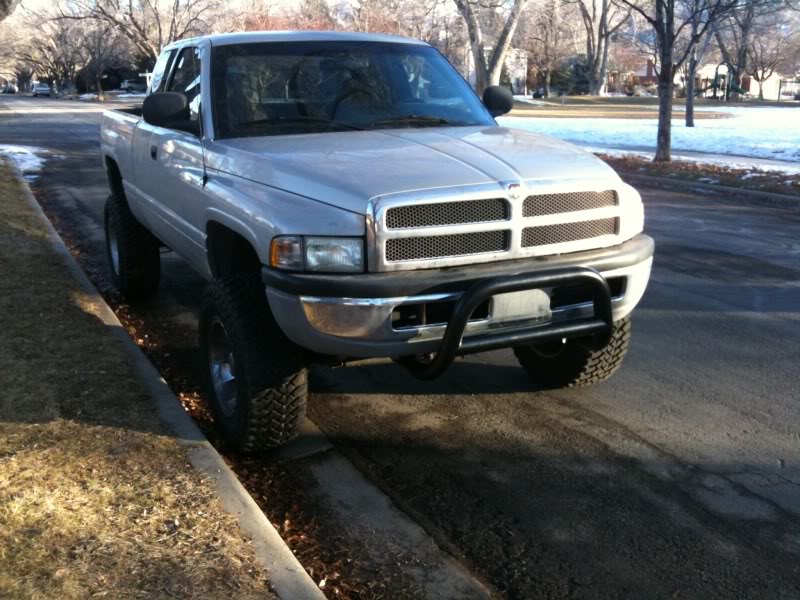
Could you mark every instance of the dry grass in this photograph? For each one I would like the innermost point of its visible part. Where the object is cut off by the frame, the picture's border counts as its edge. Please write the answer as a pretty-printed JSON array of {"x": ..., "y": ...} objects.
[
  {"x": 602, "y": 111},
  {"x": 746, "y": 179},
  {"x": 652, "y": 101},
  {"x": 96, "y": 499}
]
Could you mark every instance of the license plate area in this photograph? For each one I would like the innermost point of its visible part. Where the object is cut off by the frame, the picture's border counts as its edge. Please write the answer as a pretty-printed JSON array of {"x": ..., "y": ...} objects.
[{"x": 525, "y": 305}]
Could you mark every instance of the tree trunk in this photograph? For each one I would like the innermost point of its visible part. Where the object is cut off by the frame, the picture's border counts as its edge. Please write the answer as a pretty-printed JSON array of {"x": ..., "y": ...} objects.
[
  {"x": 495, "y": 65},
  {"x": 481, "y": 77},
  {"x": 760, "y": 90},
  {"x": 476, "y": 45},
  {"x": 98, "y": 88},
  {"x": 594, "y": 71},
  {"x": 547, "y": 75},
  {"x": 664, "y": 136},
  {"x": 690, "y": 79},
  {"x": 601, "y": 76}
]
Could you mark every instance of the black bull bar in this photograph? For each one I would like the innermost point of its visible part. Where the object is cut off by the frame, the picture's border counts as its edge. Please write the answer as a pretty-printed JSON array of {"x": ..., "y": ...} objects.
[{"x": 599, "y": 325}]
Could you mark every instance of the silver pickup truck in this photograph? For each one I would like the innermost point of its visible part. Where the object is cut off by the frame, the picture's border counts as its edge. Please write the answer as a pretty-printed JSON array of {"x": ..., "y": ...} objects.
[{"x": 348, "y": 196}]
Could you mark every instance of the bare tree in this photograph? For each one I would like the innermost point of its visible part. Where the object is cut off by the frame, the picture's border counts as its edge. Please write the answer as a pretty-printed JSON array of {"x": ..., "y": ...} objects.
[
  {"x": 373, "y": 16},
  {"x": 669, "y": 21},
  {"x": 602, "y": 19},
  {"x": 53, "y": 52},
  {"x": 735, "y": 36},
  {"x": 697, "y": 53},
  {"x": 488, "y": 65},
  {"x": 102, "y": 48},
  {"x": 7, "y": 7},
  {"x": 149, "y": 25},
  {"x": 771, "y": 48},
  {"x": 549, "y": 36}
]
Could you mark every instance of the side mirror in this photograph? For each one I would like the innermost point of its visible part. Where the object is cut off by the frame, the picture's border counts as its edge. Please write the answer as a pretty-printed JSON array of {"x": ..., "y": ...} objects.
[
  {"x": 168, "y": 109},
  {"x": 498, "y": 99}
]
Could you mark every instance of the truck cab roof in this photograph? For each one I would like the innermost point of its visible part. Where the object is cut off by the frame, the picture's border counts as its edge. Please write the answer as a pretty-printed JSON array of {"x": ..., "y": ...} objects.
[{"x": 295, "y": 36}]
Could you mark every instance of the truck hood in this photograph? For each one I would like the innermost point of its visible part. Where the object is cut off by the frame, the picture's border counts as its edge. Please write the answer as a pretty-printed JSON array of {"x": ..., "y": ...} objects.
[{"x": 348, "y": 169}]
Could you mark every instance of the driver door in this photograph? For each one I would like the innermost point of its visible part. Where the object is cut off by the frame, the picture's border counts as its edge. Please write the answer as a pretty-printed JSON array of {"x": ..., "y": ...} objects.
[{"x": 170, "y": 164}]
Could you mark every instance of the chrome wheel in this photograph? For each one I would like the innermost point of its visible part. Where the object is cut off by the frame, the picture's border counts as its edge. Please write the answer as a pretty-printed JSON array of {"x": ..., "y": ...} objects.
[{"x": 222, "y": 366}]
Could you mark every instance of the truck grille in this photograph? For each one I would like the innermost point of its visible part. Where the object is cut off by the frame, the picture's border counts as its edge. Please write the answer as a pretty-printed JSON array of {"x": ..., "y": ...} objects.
[
  {"x": 439, "y": 246},
  {"x": 447, "y": 213},
  {"x": 544, "y": 235},
  {"x": 435, "y": 228},
  {"x": 551, "y": 204}
]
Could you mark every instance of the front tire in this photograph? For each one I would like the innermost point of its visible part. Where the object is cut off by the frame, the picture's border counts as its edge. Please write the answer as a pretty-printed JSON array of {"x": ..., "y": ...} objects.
[
  {"x": 256, "y": 377},
  {"x": 134, "y": 254},
  {"x": 573, "y": 363}
]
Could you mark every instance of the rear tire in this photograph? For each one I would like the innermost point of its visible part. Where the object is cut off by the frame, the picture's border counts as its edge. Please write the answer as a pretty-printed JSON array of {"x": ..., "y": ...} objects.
[
  {"x": 574, "y": 363},
  {"x": 256, "y": 377},
  {"x": 134, "y": 254}
]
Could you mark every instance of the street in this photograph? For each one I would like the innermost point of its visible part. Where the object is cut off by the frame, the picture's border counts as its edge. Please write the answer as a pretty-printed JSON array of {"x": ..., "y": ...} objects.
[{"x": 677, "y": 478}]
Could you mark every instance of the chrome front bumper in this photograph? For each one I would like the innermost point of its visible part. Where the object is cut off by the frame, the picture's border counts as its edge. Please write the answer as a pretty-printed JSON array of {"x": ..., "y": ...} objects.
[{"x": 363, "y": 327}]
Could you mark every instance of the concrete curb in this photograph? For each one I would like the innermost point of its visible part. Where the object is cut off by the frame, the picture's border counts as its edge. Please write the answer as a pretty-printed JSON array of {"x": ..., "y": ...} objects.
[
  {"x": 288, "y": 578},
  {"x": 774, "y": 198}
]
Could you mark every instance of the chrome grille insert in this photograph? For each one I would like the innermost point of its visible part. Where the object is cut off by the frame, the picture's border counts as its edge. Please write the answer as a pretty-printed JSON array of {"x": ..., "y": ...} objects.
[
  {"x": 447, "y": 213},
  {"x": 552, "y": 204},
  {"x": 567, "y": 232},
  {"x": 439, "y": 246}
]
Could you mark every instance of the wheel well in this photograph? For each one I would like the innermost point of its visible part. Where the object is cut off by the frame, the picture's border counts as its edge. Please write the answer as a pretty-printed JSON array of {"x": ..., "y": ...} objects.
[
  {"x": 114, "y": 177},
  {"x": 229, "y": 252}
]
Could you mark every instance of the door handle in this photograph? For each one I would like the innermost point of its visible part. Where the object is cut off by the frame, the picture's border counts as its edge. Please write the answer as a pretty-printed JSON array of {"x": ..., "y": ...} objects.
[{"x": 154, "y": 152}]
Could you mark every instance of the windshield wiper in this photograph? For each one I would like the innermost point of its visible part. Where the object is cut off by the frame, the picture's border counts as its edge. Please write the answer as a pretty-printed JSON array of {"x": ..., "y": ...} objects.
[
  {"x": 412, "y": 120},
  {"x": 298, "y": 119}
]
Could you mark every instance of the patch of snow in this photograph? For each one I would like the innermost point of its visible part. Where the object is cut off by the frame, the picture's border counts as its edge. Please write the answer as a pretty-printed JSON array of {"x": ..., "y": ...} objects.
[
  {"x": 708, "y": 180},
  {"x": 29, "y": 159},
  {"x": 529, "y": 100},
  {"x": 132, "y": 96},
  {"x": 747, "y": 176},
  {"x": 87, "y": 97},
  {"x": 757, "y": 132}
]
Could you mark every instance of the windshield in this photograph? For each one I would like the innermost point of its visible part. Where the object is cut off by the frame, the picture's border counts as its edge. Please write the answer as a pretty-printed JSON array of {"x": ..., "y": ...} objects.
[{"x": 282, "y": 88}]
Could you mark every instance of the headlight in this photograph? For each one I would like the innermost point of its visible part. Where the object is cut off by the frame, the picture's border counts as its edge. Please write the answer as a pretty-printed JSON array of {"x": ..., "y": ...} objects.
[{"x": 317, "y": 254}]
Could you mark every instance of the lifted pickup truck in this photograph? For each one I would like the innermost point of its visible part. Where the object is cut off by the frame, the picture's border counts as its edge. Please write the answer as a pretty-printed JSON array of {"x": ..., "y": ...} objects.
[{"x": 348, "y": 196}]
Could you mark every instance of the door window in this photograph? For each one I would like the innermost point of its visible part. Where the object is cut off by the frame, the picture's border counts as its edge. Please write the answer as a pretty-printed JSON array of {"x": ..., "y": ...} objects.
[
  {"x": 186, "y": 79},
  {"x": 160, "y": 71}
]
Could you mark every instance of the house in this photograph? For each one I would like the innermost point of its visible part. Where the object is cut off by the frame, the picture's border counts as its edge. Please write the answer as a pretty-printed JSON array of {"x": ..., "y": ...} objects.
[
  {"x": 775, "y": 87},
  {"x": 711, "y": 81}
]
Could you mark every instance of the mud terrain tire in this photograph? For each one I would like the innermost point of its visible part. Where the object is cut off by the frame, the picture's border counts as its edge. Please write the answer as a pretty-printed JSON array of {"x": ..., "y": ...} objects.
[
  {"x": 265, "y": 405},
  {"x": 574, "y": 364},
  {"x": 134, "y": 254}
]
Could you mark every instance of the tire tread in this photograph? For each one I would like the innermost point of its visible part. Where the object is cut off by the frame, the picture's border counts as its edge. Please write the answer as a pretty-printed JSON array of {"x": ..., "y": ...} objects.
[
  {"x": 275, "y": 381},
  {"x": 578, "y": 366},
  {"x": 139, "y": 250}
]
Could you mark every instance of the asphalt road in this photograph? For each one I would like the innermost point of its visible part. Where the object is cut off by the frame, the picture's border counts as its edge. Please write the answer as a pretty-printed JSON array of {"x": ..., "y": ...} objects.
[{"x": 678, "y": 478}]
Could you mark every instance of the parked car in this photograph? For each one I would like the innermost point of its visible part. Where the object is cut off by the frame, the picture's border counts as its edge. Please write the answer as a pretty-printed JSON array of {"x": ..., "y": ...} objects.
[
  {"x": 131, "y": 85},
  {"x": 362, "y": 202},
  {"x": 10, "y": 88},
  {"x": 41, "y": 89}
]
